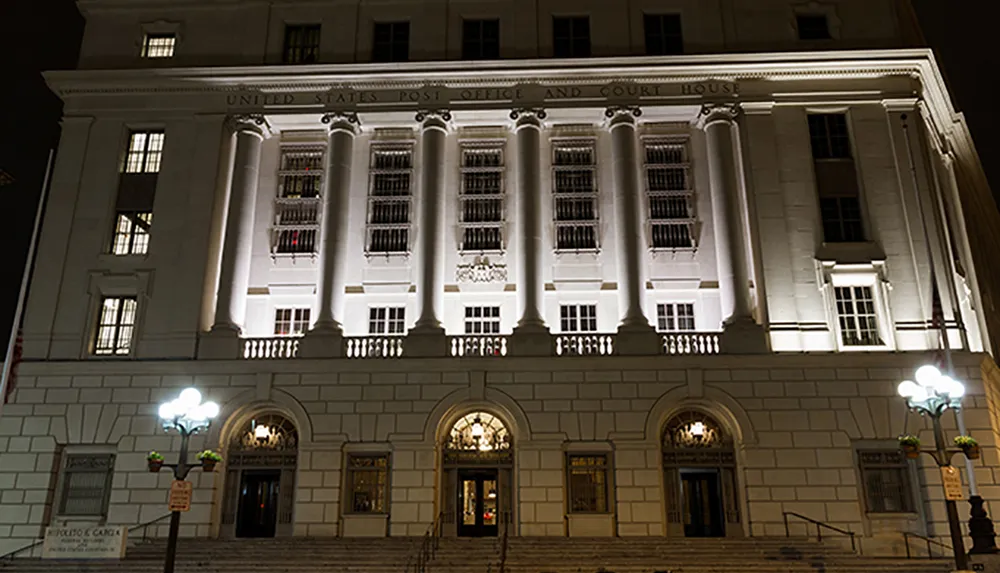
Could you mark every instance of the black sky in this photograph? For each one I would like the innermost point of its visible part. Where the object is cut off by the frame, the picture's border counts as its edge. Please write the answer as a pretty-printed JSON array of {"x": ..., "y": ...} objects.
[{"x": 38, "y": 35}]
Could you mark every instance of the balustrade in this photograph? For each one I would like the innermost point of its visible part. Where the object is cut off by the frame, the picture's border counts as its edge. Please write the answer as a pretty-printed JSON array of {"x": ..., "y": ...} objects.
[
  {"x": 270, "y": 348},
  {"x": 477, "y": 345},
  {"x": 585, "y": 344},
  {"x": 373, "y": 346},
  {"x": 691, "y": 343}
]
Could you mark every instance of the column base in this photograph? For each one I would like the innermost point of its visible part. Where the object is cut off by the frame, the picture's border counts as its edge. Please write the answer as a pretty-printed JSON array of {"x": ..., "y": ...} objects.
[
  {"x": 638, "y": 340},
  {"x": 322, "y": 342},
  {"x": 531, "y": 340},
  {"x": 743, "y": 336},
  {"x": 220, "y": 343},
  {"x": 425, "y": 342}
]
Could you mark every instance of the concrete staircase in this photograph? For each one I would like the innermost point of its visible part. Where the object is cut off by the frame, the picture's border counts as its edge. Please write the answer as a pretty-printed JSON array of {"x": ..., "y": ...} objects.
[{"x": 525, "y": 555}]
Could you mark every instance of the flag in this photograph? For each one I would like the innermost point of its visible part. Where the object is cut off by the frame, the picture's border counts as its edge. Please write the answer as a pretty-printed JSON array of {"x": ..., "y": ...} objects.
[
  {"x": 5, "y": 178},
  {"x": 15, "y": 360}
]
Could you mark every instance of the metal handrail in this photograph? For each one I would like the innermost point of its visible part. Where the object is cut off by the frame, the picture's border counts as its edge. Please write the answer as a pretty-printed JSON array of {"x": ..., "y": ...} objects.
[
  {"x": 428, "y": 547},
  {"x": 819, "y": 525},
  {"x": 906, "y": 541},
  {"x": 37, "y": 542}
]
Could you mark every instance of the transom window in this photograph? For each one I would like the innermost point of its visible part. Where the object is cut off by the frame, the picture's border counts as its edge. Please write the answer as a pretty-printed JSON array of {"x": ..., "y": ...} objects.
[
  {"x": 389, "y": 199},
  {"x": 144, "y": 151},
  {"x": 813, "y": 26},
  {"x": 574, "y": 176},
  {"x": 367, "y": 483},
  {"x": 578, "y": 318},
  {"x": 115, "y": 325},
  {"x": 478, "y": 431},
  {"x": 663, "y": 34},
  {"x": 291, "y": 321},
  {"x": 482, "y": 198},
  {"x": 669, "y": 194},
  {"x": 131, "y": 235},
  {"x": 671, "y": 317},
  {"x": 857, "y": 316},
  {"x": 571, "y": 37},
  {"x": 588, "y": 483},
  {"x": 301, "y": 44},
  {"x": 885, "y": 476},
  {"x": 158, "y": 45},
  {"x": 86, "y": 484},
  {"x": 297, "y": 205},
  {"x": 391, "y": 42},
  {"x": 390, "y": 320},
  {"x": 480, "y": 39},
  {"x": 482, "y": 320}
]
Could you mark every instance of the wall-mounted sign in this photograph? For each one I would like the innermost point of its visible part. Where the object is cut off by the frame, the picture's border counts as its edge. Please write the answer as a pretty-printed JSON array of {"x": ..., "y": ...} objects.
[
  {"x": 180, "y": 495},
  {"x": 952, "y": 481},
  {"x": 106, "y": 542}
]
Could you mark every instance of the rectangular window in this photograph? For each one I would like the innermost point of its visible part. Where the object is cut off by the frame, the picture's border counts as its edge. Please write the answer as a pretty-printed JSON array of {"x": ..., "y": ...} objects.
[
  {"x": 669, "y": 194},
  {"x": 885, "y": 476},
  {"x": 571, "y": 37},
  {"x": 857, "y": 316},
  {"x": 367, "y": 483},
  {"x": 813, "y": 27},
  {"x": 131, "y": 234},
  {"x": 301, "y": 44},
  {"x": 390, "y": 196},
  {"x": 144, "y": 151},
  {"x": 291, "y": 321},
  {"x": 588, "y": 483},
  {"x": 663, "y": 34},
  {"x": 482, "y": 320},
  {"x": 387, "y": 320},
  {"x": 836, "y": 178},
  {"x": 391, "y": 42},
  {"x": 574, "y": 176},
  {"x": 482, "y": 198},
  {"x": 829, "y": 136},
  {"x": 86, "y": 484},
  {"x": 673, "y": 317},
  {"x": 158, "y": 45},
  {"x": 115, "y": 325},
  {"x": 578, "y": 318},
  {"x": 297, "y": 205},
  {"x": 480, "y": 39}
]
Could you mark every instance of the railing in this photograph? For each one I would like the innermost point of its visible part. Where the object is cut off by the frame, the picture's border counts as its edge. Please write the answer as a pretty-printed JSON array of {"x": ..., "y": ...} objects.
[
  {"x": 270, "y": 348},
  {"x": 373, "y": 346},
  {"x": 691, "y": 343},
  {"x": 585, "y": 344},
  {"x": 29, "y": 547},
  {"x": 428, "y": 548},
  {"x": 930, "y": 554},
  {"x": 478, "y": 345},
  {"x": 819, "y": 528}
]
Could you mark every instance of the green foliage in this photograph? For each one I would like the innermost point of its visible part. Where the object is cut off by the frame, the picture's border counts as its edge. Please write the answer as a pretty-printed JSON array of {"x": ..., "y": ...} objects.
[
  {"x": 965, "y": 442},
  {"x": 909, "y": 440},
  {"x": 209, "y": 455},
  {"x": 154, "y": 457}
]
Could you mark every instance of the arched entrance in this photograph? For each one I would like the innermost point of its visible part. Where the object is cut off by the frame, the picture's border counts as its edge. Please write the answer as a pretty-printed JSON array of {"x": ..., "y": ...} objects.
[
  {"x": 477, "y": 462},
  {"x": 260, "y": 478},
  {"x": 699, "y": 470}
]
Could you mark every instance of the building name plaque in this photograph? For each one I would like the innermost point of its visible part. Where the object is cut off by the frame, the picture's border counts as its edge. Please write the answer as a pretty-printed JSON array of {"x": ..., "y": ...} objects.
[{"x": 105, "y": 542}]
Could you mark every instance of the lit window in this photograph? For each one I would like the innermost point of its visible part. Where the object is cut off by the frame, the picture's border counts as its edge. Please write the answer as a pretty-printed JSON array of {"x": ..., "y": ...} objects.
[
  {"x": 144, "y": 151},
  {"x": 367, "y": 483},
  {"x": 482, "y": 197},
  {"x": 571, "y": 37},
  {"x": 588, "y": 483},
  {"x": 158, "y": 46},
  {"x": 86, "y": 484},
  {"x": 578, "y": 318},
  {"x": 813, "y": 27},
  {"x": 663, "y": 34},
  {"x": 885, "y": 476},
  {"x": 115, "y": 326},
  {"x": 389, "y": 199},
  {"x": 389, "y": 320},
  {"x": 574, "y": 176},
  {"x": 291, "y": 321},
  {"x": 391, "y": 42},
  {"x": 297, "y": 206},
  {"x": 482, "y": 320},
  {"x": 857, "y": 316},
  {"x": 672, "y": 317},
  {"x": 131, "y": 234},
  {"x": 301, "y": 44},
  {"x": 669, "y": 195}
]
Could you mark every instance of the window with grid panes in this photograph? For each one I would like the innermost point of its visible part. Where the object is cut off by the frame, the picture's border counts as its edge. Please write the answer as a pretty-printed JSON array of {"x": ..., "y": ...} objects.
[
  {"x": 144, "y": 151},
  {"x": 367, "y": 483},
  {"x": 291, "y": 321},
  {"x": 663, "y": 34},
  {"x": 482, "y": 320},
  {"x": 578, "y": 318},
  {"x": 673, "y": 317},
  {"x": 574, "y": 194},
  {"x": 482, "y": 198},
  {"x": 885, "y": 476},
  {"x": 301, "y": 44},
  {"x": 391, "y": 42},
  {"x": 297, "y": 205},
  {"x": 669, "y": 194},
  {"x": 836, "y": 178},
  {"x": 588, "y": 483},
  {"x": 158, "y": 45},
  {"x": 390, "y": 196},
  {"x": 131, "y": 235},
  {"x": 857, "y": 316},
  {"x": 86, "y": 484},
  {"x": 480, "y": 39},
  {"x": 136, "y": 193},
  {"x": 387, "y": 320},
  {"x": 571, "y": 37},
  {"x": 115, "y": 325},
  {"x": 813, "y": 26}
]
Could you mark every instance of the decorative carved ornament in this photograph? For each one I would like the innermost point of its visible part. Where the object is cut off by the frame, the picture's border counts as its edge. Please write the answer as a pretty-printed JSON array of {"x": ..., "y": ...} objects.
[
  {"x": 526, "y": 112},
  {"x": 481, "y": 270},
  {"x": 266, "y": 433},
  {"x": 335, "y": 117},
  {"x": 478, "y": 432},
  {"x": 423, "y": 114}
]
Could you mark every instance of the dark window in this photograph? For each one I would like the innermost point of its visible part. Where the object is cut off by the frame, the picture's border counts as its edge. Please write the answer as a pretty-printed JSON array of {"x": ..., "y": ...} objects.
[
  {"x": 391, "y": 42},
  {"x": 886, "y": 480},
  {"x": 301, "y": 44},
  {"x": 829, "y": 137},
  {"x": 480, "y": 39},
  {"x": 663, "y": 34},
  {"x": 836, "y": 178},
  {"x": 367, "y": 483},
  {"x": 86, "y": 487},
  {"x": 588, "y": 483},
  {"x": 841, "y": 219},
  {"x": 571, "y": 37},
  {"x": 813, "y": 27}
]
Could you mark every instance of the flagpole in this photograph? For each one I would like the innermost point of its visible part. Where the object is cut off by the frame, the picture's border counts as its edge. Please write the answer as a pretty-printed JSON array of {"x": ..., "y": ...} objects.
[{"x": 25, "y": 277}]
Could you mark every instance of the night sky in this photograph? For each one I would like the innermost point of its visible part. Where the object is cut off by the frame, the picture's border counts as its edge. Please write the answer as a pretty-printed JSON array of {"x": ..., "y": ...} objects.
[{"x": 38, "y": 35}]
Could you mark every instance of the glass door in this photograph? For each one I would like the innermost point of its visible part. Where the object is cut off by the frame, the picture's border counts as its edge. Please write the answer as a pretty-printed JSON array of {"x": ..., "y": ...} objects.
[
  {"x": 703, "y": 515},
  {"x": 258, "y": 505},
  {"x": 478, "y": 503}
]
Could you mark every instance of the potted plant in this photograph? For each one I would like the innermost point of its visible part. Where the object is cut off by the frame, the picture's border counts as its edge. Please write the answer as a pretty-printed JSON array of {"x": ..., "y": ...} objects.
[
  {"x": 155, "y": 461},
  {"x": 208, "y": 459},
  {"x": 969, "y": 446},
  {"x": 910, "y": 445}
]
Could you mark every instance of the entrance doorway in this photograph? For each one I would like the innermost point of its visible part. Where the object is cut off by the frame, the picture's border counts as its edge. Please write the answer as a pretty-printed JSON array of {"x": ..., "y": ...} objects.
[
  {"x": 703, "y": 515},
  {"x": 478, "y": 503},
  {"x": 258, "y": 506}
]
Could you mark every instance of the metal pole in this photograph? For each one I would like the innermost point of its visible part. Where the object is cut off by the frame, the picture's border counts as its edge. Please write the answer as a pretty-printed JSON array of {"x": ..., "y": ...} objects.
[
  {"x": 942, "y": 458},
  {"x": 180, "y": 472}
]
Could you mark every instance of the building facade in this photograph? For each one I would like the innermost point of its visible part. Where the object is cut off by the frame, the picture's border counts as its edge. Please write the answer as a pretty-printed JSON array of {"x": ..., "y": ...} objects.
[{"x": 545, "y": 268}]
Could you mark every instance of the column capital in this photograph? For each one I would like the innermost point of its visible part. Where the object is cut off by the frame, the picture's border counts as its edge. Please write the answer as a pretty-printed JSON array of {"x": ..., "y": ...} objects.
[
  {"x": 249, "y": 122},
  {"x": 434, "y": 118},
  {"x": 342, "y": 121},
  {"x": 614, "y": 112},
  {"x": 715, "y": 112},
  {"x": 525, "y": 116}
]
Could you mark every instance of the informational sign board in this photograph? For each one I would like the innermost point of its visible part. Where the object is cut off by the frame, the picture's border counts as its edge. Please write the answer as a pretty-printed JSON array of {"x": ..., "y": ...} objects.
[
  {"x": 952, "y": 480},
  {"x": 105, "y": 542},
  {"x": 180, "y": 496}
]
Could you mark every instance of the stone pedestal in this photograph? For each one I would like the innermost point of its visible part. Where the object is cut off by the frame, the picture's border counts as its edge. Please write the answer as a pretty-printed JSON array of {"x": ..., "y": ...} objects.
[
  {"x": 425, "y": 342},
  {"x": 743, "y": 336},
  {"x": 366, "y": 525},
  {"x": 322, "y": 343},
  {"x": 530, "y": 341},
  {"x": 638, "y": 341},
  {"x": 221, "y": 343}
]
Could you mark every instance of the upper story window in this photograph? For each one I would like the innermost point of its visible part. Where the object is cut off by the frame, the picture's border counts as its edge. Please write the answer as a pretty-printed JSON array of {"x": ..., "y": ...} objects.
[
  {"x": 158, "y": 45},
  {"x": 674, "y": 317},
  {"x": 480, "y": 39},
  {"x": 301, "y": 44},
  {"x": 663, "y": 34},
  {"x": 829, "y": 136},
  {"x": 574, "y": 177},
  {"x": 571, "y": 37},
  {"x": 885, "y": 476},
  {"x": 390, "y": 195},
  {"x": 857, "y": 315},
  {"x": 291, "y": 321},
  {"x": 131, "y": 236},
  {"x": 482, "y": 320},
  {"x": 669, "y": 194},
  {"x": 578, "y": 318},
  {"x": 813, "y": 26},
  {"x": 836, "y": 178},
  {"x": 136, "y": 193},
  {"x": 115, "y": 326},
  {"x": 86, "y": 484},
  {"x": 144, "y": 151},
  {"x": 297, "y": 205},
  {"x": 481, "y": 215},
  {"x": 391, "y": 42},
  {"x": 389, "y": 320}
]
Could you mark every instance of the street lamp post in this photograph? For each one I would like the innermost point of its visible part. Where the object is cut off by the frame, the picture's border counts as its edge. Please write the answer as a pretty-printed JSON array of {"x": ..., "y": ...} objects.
[{"x": 188, "y": 415}]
